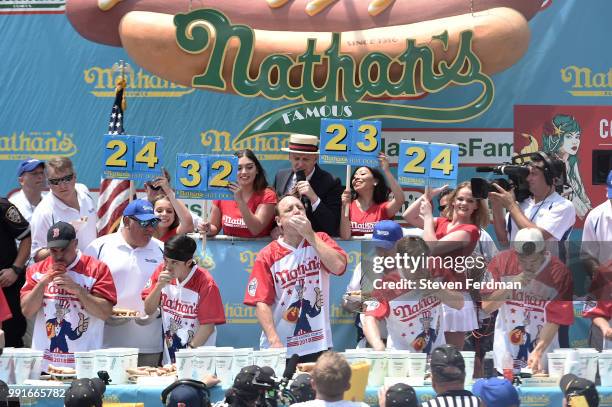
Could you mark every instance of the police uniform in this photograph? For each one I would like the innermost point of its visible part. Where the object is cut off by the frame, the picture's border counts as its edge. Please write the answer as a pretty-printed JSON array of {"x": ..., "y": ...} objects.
[{"x": 12, "y": 226}]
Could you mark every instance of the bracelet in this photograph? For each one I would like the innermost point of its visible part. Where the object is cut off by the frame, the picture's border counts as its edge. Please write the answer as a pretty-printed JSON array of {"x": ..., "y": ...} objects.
[{"x": 18, "y": 270}]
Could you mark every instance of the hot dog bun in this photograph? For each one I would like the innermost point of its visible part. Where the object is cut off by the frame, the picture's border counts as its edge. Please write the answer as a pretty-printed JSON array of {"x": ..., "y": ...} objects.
[
  {"x": 98, "y": 20},
  {"x": 501, "y": 37}
]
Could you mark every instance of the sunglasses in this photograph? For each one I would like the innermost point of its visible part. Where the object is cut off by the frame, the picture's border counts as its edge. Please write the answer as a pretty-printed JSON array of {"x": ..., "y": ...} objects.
[
  {"x": 62, "y": 180},
  {"x": 149, "y": 184},
  {"x": 146, "y": 223}
]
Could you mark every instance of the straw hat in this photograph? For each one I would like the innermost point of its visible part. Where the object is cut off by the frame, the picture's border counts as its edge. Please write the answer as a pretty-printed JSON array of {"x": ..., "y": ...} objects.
[{"x": 302, "y": 144}]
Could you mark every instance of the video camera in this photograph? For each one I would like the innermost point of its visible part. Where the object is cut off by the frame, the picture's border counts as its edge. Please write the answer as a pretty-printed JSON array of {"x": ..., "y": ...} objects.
[
  {"x": 516, "y": 171},
  {"x": 260, "y": 387}
]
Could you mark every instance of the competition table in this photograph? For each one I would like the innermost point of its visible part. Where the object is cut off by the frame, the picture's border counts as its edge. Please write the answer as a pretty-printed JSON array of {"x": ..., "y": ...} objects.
[{"x": 149, "y": 396}]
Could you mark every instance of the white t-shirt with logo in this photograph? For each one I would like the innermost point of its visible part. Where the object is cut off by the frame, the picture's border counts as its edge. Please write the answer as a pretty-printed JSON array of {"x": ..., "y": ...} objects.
[
  {"x": 520, "y": 320},
  {"x": 185, "y": 306},
  {"x": 51, "y": 210},
  {"x": 63, "y": 326},
  {"x": 294, "y": 282},
  {"x": 414, "y": 321},
  {"x": 131, "y": 269},
  {"x": 20, "y": 200}
]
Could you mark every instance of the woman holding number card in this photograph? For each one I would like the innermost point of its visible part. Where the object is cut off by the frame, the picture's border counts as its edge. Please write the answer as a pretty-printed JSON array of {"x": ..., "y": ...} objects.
[
  {"x": 251, "y": 213},
  {"x": 452, "y": 235},
  {"x": 368, "y": 199},
  {"x": 173, "y": 214}
]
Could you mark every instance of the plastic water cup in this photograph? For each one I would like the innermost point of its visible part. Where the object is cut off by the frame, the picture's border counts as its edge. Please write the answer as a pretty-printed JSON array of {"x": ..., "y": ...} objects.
[
  {"x": 468, "y": 358},
  {"x": 397, "y": 363},
  {"x": 23, "y": 364},
  {"x": 84, "y": 365},
  {"x": 378, "y": 367},
  {"x": 588, "y": 361},
  {"x": 556, "y": 363},
  {"x": 356, "y": 357},
  {"x": 184, "y": 363},
  {"x": 416, "y": 365},
  {"x": 605, "y": 368},
  {"x": 223, "y": 366},
  {"x": 281, "y": 361}
]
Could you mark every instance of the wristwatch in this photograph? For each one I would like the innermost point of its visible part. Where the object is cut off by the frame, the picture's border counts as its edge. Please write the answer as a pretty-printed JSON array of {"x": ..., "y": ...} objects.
[{"x": 18, "y": 270}]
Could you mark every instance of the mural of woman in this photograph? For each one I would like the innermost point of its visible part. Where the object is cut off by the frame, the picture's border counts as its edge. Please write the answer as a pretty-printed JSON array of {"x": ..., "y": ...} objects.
[{"x": 561, "y": 137}]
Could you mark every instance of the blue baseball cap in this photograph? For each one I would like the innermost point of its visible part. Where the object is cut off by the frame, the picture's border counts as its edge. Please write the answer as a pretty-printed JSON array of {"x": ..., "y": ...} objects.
[
  {"x": 496, "y": 392},
  {"x": 140, "y": 209},
  {"x": 386, "y": 234},
  {"x": 185, "y": 395},
  {"x": 28, "y": 165},
  {"x": 609, "y": 182}
]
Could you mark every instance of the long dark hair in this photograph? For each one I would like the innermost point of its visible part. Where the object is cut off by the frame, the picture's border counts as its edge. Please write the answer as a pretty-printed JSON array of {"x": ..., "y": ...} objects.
[
  {"x": 260, "y": 183},
  {"x": 381, "y": 190}
]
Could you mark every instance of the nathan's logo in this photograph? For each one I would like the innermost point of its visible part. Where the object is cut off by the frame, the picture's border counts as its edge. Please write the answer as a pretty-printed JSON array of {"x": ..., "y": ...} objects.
[
  {"x": 340, "y": 95},
  {"x": 237, "y": 313},
  {"x": 266, "y": 148},
  {"x": 139, "y": 84},
  {"x": 585, "y": 82},
  {"x": 42, "y": 145},
  {"x": 248, "y": 257},
  {"x": 354, "y": 257}
]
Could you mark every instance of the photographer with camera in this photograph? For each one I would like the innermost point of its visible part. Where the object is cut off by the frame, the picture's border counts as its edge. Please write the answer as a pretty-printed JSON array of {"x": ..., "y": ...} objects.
[{"x": 544, "y": 209}]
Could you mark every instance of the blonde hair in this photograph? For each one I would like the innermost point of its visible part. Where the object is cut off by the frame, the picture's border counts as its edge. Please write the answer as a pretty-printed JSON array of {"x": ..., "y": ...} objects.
[
  {"x": 59, "y": 164},
  {"x": 331, "y": 374},
  {"x": 480, "y": 217}
]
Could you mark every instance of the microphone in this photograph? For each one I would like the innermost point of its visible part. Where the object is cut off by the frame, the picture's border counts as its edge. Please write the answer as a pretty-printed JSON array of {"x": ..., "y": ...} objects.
[
  {"x": 291, "y": 367},
  {"x": 301, "y": 176}
]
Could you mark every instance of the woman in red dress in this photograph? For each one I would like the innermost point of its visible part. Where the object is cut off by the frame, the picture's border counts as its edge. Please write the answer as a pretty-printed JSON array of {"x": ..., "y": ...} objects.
[
  {"x": 368, "y": 199},
  {"x": 452, "y": 235},
  {"x": 251, "y": 213}
]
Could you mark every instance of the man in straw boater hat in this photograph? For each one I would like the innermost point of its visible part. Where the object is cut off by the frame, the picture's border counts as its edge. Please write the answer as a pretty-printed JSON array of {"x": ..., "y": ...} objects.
[{"x": 318, "y": 190}]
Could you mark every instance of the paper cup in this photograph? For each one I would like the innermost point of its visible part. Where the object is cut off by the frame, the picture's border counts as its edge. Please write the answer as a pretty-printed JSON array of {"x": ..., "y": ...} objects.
[
  {"x": 416, "y": 366},
  {"x": 7, "y": 367},
  {"x": 243, "y": 357},
  {"x": 100, "y": 360},
  {"x": 37, "y": 358},
  {"x": 556, "y": 364},
  {"x": 118, "y": 361},
  {"x": 23, "y": 364},
  {"x": 266, "y": 357},
  {"x": 605, "y": 368},
  {"x": 588, "y": 360},
  {"x": 378, "y": 368},
  {"x": 223, "y": 366},
  {"x": 84, "y": 365},
  {"x": 397, "y": 363},
  {"x": 468, "y": 358},
  {"x": 184, "y": 363},
  {"x": 204, "y": 362}
]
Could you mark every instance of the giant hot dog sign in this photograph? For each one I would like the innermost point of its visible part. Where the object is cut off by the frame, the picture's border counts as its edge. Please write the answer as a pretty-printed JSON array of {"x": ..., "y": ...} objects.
[{"x": 356, "y": 59}]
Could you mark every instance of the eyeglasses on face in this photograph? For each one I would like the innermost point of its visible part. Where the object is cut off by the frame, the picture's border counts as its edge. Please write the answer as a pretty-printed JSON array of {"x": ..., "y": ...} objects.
[
  {"x": 62, "y": 180},
  {"x": 146, "y": 223}
]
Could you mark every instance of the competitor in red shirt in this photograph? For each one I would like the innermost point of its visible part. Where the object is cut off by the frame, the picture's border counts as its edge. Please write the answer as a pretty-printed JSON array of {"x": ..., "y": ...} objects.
[
  {"x": 454, "y": 234},
  {"x": 371, "y": 199},
  {"x": 188, "y": 297},
  {"x": 599, "y": 309},
  {"x": 71, "y": 295},
  {"x": 289, "y": 285},
  {"x": 251, "y": 213}
]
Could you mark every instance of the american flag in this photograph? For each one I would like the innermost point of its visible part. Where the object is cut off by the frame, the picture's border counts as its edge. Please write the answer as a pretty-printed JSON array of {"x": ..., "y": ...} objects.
[{"x": 114, "y": 193}]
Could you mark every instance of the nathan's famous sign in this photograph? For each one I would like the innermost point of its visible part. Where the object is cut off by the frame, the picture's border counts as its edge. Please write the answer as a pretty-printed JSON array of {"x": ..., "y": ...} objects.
[{"x": 359, "y": 69}]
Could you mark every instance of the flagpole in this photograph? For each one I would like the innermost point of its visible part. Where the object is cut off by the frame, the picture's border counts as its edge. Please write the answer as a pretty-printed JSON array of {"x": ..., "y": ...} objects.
[{"x": 122, "y": 84}]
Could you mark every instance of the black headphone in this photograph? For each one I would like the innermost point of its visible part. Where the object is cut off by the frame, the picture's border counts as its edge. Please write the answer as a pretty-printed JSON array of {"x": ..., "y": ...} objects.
[
  {"x": 553, "y": 168},
  {"x": 196, "y": 384}
]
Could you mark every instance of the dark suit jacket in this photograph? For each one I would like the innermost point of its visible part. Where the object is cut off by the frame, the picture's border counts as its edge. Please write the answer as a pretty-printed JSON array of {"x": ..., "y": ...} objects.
[{"x": 328, "y": 188}]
